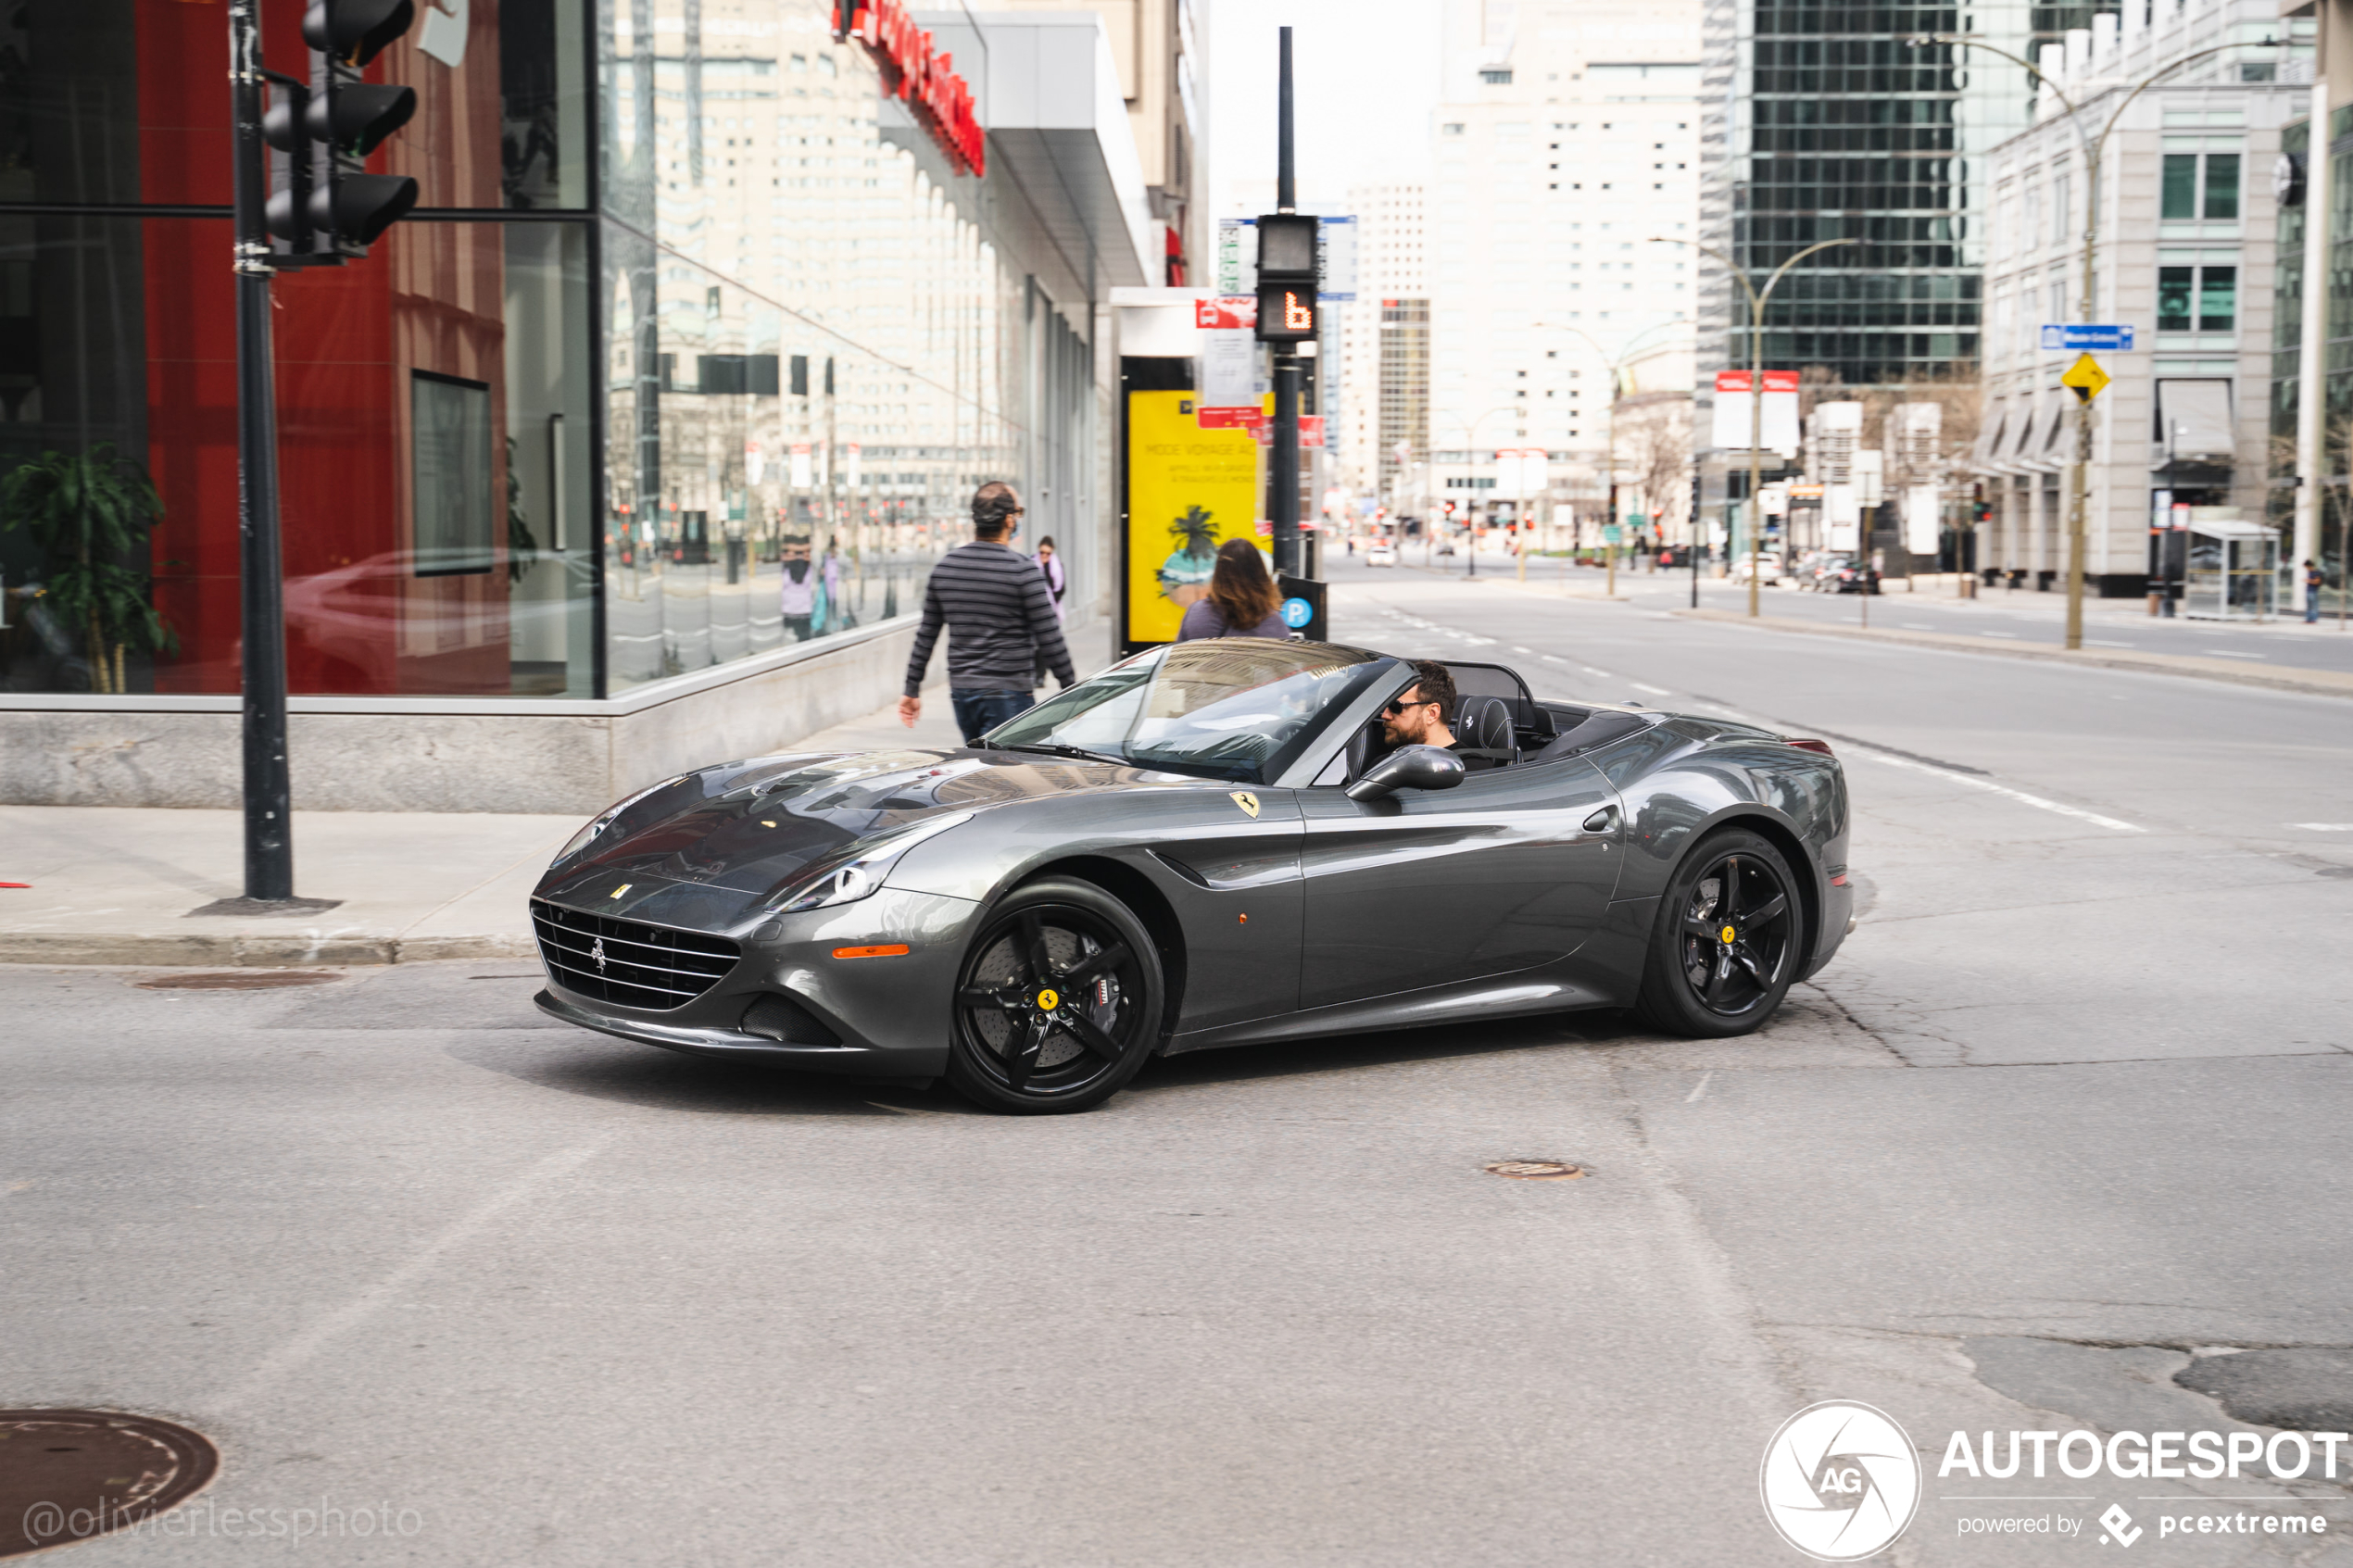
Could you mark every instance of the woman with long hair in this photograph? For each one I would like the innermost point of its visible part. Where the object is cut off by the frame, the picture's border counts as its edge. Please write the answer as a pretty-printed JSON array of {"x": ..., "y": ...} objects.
[{"x": 1242, "y": 600}]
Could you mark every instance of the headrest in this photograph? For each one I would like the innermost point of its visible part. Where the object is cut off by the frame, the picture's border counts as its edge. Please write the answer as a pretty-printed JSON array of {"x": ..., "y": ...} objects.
[{"x": 1485, "y": 722}]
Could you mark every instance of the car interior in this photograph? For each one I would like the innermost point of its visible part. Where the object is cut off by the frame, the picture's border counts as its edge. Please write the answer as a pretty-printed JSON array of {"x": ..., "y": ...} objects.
[{"x": 1497, "y": 723}]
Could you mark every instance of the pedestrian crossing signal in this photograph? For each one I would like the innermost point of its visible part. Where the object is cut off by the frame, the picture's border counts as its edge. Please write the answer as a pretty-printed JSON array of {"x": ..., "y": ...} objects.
[{"x": 1287, "y": 313}]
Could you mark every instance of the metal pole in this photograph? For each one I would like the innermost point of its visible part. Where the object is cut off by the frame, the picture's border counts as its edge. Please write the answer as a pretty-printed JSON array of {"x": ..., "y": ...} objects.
[
  {"x": 1755, "y": 459},
  {"x": 267, "y": 788},
  {"x": 1283, "y": 468},
  {"x": 2079, "y": 502},
  {"x": 1286, "y": 168}
]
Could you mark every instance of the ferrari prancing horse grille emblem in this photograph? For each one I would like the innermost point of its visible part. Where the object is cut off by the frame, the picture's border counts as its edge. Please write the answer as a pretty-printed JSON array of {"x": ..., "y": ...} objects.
[
  {"x": 1247, "y": 801},
  {"x": 596, "y": 951}
]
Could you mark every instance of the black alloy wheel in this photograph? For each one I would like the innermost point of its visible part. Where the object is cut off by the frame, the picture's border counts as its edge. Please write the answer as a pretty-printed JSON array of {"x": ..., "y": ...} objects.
[
  {"x": 1057, "y": 1003},
  {"x": 1729, "y": 941}
]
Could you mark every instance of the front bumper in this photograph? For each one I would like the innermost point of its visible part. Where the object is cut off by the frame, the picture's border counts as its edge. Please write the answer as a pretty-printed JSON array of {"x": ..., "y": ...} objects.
[{"x": 888, "y": 1016}]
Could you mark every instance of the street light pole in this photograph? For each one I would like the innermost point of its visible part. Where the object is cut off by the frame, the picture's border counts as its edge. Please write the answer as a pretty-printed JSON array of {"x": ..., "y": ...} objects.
[
  {"x": 1757, "y": 303},
  {"x": 1617, "y": 373},
  {"x": 2095, "y": 148}
]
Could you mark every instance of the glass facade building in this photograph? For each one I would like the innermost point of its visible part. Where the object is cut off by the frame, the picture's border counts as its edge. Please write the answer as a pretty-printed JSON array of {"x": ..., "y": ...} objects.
[
  {"x": 1825, "y": 124},
  {"x": 692, "y": 351}
]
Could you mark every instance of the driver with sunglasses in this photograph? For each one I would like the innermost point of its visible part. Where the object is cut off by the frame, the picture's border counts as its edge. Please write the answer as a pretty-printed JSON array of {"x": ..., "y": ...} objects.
[{"x": 1417, "y": 715}]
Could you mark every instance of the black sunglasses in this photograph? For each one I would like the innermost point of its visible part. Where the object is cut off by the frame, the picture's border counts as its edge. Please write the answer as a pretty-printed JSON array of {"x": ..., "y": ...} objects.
[{"x": 1399, "y": 704}]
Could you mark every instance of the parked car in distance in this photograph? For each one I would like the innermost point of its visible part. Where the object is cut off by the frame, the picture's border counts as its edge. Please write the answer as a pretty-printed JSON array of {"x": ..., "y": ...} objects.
[
  {"x": 1852, "y": 577},
  {"x": 1381, "y": 553},
  {"x": 1767, "y": 568}
]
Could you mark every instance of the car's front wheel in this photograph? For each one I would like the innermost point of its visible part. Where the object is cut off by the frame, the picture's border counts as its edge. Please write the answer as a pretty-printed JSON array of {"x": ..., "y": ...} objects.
[
  {"x": 1057, "y": 1003},
  {"x": 1727, "y": 942}
]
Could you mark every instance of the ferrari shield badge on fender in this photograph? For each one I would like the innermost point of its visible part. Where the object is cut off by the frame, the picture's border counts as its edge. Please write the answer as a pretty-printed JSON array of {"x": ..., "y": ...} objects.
[{"x": 1247, "y": 801}]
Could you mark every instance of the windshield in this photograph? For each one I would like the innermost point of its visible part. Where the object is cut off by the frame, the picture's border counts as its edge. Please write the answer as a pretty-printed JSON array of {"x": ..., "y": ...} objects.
[{"x": 1223, "y": 707}]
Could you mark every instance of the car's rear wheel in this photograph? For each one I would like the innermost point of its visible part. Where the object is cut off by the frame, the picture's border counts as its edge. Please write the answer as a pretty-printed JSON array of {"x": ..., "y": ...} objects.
[
  {"x": 1727, "y": 942},
  {"x": 1057, "y": 1003}
]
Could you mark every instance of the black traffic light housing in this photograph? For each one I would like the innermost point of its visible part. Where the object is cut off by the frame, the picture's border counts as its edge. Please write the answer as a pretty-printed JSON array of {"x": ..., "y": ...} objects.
[
  {"x": 331, "y": 209},
  {"x": 1286, "y": 278}
]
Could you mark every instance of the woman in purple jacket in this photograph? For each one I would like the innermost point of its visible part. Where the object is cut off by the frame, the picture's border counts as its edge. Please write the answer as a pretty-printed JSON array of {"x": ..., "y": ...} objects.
[{"x": 1241, "y": 602}]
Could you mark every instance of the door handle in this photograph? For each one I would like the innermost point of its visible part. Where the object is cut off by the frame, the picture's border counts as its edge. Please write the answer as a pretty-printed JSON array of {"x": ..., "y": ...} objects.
[{"x": 1602, "y": 821}]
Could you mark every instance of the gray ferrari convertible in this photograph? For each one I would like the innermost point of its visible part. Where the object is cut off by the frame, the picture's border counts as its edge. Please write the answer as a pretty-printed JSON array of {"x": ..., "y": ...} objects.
[{"x": 1204, "y": 845}]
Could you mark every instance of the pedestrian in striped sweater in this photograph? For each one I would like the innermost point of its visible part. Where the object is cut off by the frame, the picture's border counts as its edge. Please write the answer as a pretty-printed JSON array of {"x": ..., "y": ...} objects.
[{"x": 1000, "y": 623}]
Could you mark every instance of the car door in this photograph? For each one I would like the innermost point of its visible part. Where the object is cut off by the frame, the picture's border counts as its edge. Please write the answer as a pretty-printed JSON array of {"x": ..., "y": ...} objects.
[{"x": 1428, "y": 888}]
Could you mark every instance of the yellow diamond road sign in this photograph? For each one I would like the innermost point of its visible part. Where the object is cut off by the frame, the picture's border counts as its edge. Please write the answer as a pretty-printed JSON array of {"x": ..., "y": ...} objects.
[{"x": 2085, "y": 378}]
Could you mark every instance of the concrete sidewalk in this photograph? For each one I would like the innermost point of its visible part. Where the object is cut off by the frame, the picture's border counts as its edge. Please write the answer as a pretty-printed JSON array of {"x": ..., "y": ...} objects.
[{"x": 116, "y": 884}]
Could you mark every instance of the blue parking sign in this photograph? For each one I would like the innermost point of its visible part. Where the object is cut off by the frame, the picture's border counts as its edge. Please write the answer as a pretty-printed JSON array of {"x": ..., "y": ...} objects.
[{"x": 1297, "y": 613}]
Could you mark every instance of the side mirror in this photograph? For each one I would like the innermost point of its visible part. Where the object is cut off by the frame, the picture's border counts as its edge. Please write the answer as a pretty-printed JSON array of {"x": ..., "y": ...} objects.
[{"x": 1411, "y": 767}]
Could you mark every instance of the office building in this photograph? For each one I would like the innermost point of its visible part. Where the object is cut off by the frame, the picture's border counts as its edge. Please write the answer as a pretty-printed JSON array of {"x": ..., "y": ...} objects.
[
  {"x": 1566, "y": 150},
  {"x": 631, "y": 446}
]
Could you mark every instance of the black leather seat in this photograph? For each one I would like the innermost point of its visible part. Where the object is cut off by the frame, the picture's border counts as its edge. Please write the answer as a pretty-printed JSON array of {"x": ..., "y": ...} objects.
[{"x": 1483, "y": 735}]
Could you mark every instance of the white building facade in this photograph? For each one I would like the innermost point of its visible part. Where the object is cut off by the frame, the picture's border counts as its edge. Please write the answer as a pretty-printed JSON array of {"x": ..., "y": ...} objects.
[
  {"x": 2185, "y": 256},
  {"x": 1565, "y": 147}
]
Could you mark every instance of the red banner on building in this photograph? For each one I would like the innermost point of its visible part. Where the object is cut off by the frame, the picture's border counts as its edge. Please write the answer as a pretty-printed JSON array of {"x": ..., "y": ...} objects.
[{"x": 940, "y": 99}]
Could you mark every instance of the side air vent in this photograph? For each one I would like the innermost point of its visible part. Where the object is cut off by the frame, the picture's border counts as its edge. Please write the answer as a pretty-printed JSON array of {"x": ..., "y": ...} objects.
[{"x": 788, "y": 1022}]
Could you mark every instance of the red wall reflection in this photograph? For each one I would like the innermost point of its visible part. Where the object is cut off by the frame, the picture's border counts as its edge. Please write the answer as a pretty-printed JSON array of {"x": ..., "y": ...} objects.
[{"x": 429, "y": 297}]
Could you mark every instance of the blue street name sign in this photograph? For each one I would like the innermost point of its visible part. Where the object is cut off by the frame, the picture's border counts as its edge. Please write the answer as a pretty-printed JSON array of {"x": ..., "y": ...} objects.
[{"x": 2087, "y": 340}]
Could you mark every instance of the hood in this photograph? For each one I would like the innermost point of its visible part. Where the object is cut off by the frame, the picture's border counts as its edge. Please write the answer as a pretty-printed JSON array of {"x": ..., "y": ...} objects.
[{"x": 754, "y": 827}]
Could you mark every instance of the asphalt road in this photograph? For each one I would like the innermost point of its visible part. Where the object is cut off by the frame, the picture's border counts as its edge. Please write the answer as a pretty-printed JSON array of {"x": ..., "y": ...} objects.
[
  {"x": 1997, "y": 614},
  {"x": 2069, "y": 1107}
]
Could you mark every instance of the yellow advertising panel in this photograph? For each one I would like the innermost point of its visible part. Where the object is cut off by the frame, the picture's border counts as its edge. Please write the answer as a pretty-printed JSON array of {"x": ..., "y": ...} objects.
[{"x": 1189, "y": 491}]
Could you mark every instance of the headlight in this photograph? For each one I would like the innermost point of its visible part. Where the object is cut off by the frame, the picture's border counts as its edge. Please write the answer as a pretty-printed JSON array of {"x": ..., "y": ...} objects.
[
  {"x": 857, "y": 870},
  {"x": 581, "y": 840}
]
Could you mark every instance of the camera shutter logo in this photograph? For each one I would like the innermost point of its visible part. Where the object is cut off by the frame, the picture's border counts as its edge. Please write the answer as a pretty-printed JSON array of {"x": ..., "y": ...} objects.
[{"x": 1840, "y": 1481}]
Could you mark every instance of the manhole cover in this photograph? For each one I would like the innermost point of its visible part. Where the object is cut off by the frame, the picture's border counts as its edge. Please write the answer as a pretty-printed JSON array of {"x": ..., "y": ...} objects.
[
  {"x": 67, "y": 1475},
  {"x": 1536, "y": 1170},
  {"x": 238, "y": 980}
]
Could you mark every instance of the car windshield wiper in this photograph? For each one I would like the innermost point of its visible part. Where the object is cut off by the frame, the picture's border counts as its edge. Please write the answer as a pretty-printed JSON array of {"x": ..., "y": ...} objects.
[{"x": 1053, "y": 748}]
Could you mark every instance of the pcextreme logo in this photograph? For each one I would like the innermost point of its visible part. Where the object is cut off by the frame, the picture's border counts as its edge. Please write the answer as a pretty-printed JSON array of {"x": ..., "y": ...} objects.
[{"x": 1840, "y": 1481}]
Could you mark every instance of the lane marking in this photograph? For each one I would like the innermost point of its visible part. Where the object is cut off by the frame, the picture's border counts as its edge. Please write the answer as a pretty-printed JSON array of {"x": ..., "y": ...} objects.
[
  {"x": 1552, "y": 658},
  {"x": 2323, "y": 827},
  {"x": 1517, "y": 649},
  {"x": 2233, "y": 653},
  {"x": 1692, "y": 1098},
  {"x": 1918, "y": 626},
  {"x": 2104, "y": 643},
  {"x": 2012, "y": 635},
  {"x": 290, "y": 1356},
  {"x": 2002, "y": 790},
  {"x": 1602, "y": 674},
  {"x": 1647, "y": 686}
]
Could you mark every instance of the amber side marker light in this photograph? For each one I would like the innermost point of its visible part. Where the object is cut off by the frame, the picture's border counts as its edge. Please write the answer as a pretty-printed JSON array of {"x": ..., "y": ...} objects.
[
  {"x": 887, "y": 950},
  {"x": 1821, "y": 745}
]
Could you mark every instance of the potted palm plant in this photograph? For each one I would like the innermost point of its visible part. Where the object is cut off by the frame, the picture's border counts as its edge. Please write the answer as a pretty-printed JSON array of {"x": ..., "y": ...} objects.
[{"x": 87, "y": 512}]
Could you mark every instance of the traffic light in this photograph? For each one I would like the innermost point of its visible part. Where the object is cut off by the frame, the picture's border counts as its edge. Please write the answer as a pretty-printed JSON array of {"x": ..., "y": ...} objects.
[
  {"x": 331, "y": 208},
  {"x": 1286, "y": 278},
  {"x": 1450, "y": 508}
]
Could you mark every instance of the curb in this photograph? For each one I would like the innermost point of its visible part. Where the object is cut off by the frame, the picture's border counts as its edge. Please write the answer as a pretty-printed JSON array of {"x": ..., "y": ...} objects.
[
  {"x": 146, "y": 950},
  {"x": 2312, "y": 683}
]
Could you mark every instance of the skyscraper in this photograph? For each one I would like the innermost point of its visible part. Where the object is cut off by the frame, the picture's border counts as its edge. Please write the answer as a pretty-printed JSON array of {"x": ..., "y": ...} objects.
[
  {"x": 1567, "y": 141},
  {"x": 1822, "y": 123}
]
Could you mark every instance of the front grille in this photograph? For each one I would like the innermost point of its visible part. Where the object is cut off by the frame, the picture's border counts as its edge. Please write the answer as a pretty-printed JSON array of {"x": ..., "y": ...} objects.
[{"x": 628, "y": 963}]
